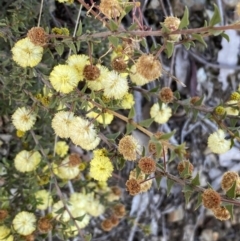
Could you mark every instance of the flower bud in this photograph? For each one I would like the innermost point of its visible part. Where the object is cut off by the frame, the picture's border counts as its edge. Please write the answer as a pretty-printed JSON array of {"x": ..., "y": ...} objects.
[
  {"x": 147, "y": 165},
  {"x": 235, "y": 96},
  {"x": 211, "y": 199},
  {"x": 220, "y": 110}
]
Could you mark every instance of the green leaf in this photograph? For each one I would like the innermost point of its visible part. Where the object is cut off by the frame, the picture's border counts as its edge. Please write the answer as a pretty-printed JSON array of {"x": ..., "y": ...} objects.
[
  {"x": 113, "y": 25},
  {"x": 120, "y": 163},
  {"x": 114, "y": 40},
  {"x": 146, "y": 123},
  {"x": 224, "y": 35},
  {"x": 59, "y": 48},
  {"x": 158, "y": 149},
  {"x": 154, "y": 90},
  {"x": 133, "y": 27},
  {"x": 80, "y": 218},
  {"x": 230, "y": 209},
  {"x": 88, "y": 237},
  {"x": 113, "y": 136},
  {"x": 165, "y": 29},
  {"x": 78, "y": 44},
  {"x": 175, "y": 107},
  {"x": 138, "y": 171},
  {"x": 167, "y": 136},
  {"x": 130, "y": 128},
  {"x": 187, "y": 196},
  {"x": 79, "y": 31},
  {"x": 143, "y": 42},
  {"x": 128, "y": 8},
  {"x": 172, "y": 156},
  {"x": 187, "y": 45},
  {"x": 199, "y": 38},
  {"x": 196, "y": 180},
  {"x": 169, "y": 185},
  {"x": 72, "y": 47},
  {"x": 143, "y": 151},
  {"x": 199, "y": 201},
  {"x": 232, "y": 191},
  {"x": 158, "y": 181},
  {"x": 185, "y": 19},
  {"x": 160, "y": 166},
  {"x": 195, "y": 114},
  {"x": 131, "y": 113},
  {"x": 216, "y": 18},
  {"x": 169, "y": 48},
  {"x": 215, "y": 32},
  {"x": 209, "y": 185}
]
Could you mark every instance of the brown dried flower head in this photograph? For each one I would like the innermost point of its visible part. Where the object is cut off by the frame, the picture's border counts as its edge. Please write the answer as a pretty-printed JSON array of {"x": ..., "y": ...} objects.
[
  {"x": 44, "y": 225},
  {"x": 221, "y": 213},
  {"x": 172, "y": 23},
  {"x": 37, "y": 36},
  {"x": 211, "y": 199},
  {"x": 91, "y": 72},
  {"x": 106, "y": 225},
  {"x": 166, "y": 95},
  {"x": 128, "y": 146},
  {"x": 147, "y": 165},
  {"x": 119, "y": 210},
  {"x": 119, "y": 64},
  {"x": 116, "y": 191},
  {"x": 114, "y": 220},
  {"x": 110, "y": 8},
  {"x": 144, "y": 185},
  {"x": 74, "y": 160},
  {"x": 228, "y": 180},
  {"x": 133, "y": 186},
  {"x": 3, "y": 214},
  {"x": 149, "y": 67},
  {"x": 29, "y": 237},
  {"x": 182, "y": 165}
]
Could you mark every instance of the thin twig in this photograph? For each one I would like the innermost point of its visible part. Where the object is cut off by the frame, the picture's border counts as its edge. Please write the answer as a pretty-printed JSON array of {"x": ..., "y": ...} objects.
[{"x": 40, "y": 13}]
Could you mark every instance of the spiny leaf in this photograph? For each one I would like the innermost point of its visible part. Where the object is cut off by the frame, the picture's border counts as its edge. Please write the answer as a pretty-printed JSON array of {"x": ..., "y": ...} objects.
[
  {"x": 169, "y": 185},
  {"x": 167, "y": 136},
  {"x": 146, "y": 123},
  {"x": 232, "y": 191},
  {"x": 199, "y": 38},
  {"x": 120, "y": 163},
  {"x": 169, "y": 48},
  {"x": 185, "y": 19},
  {"x": 131, "y": 113},
  {"x": 79, "y": 31},
  {"x": 196, "y": 180},
  {"x": 113, "y": 40},
  {"x": 187, "y": 196},
  {"x": 216, "y": 18},
  {"x": 113, "y": 136},
  {"x": 224, "y": 35},
  {"x": 187, "y": 45},
  {"x": 133, "y": 27},
  {"x": 199, "y": 201},
  {"x": 130, "y": 128},
  {"x": 230, "y": 209},
  {"x": 113, "y": 25},
  {"x": 158, "y": 181},
  {"x": 59, "y": 48}
]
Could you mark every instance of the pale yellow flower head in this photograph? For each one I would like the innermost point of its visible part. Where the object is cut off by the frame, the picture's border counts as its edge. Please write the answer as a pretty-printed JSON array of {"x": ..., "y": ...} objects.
[
  {"x": 64, "y": 215},
  {"x": 110, "y": 8},
  {"x": 162, "y": 115},
  {"x": 99, "y": 83},
  {"x": 101, "y": 168},
  {"x": 115, "y": 86},
  {"x": 26, "y": 54},
  {"x": 78, "y": 62},
  {"x": 79, "y": 200},
  {"x": 217, "y": 142},
  {"x": 66, "y": 170},
  {"x": 44, "y": 198},
  {"x": 136, "y": 77},
  {"x": 64, "y": 78},
  {"x": 4, "y": 233},
  {"x": 127, "y": 101},
  {"x": 24, "y": 119},
  {"x": 83, "y": 133},
  {"x": 61, "y": 122},
  {"x": 230, "y": 110},
  {"x": 24, "y": 223},
  {"x": 27, "y": 161},
  {"x": 61, "y": 148},
  {"x": 94, "y": 207}
]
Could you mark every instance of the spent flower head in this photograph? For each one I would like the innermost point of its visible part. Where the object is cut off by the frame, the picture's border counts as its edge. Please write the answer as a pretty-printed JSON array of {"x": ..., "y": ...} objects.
[
  {"x": 211, "y": 199},
  {"x": 221, "y": 213},
  {"x": 147, "y": 165},
  {"x": 37, "y": 36},
  {"x": 111, "y": 8}
]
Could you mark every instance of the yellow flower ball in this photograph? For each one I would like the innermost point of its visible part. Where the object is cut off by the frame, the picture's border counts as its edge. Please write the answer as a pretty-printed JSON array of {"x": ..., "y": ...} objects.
[
  {"x": 64, "y": 78},
  {"x": 61, "y": 148},
  {"x": 4, "y": 233},
  {"x": 27, "y": 161},
  {"x": 162, "y": 115},
  {"x": 44, "y": 198},
  {"x": 78, "y": 62},
  {"x": 24, "y": 223},
  {"x": 26, "y": 54},
  {"x": 127, "y": 101},
  {"x": 61, "y": 122},
  {"x": 64, "y": 215},
  {"x": 136, "y": 77},
  {"x": 24, "y": 119}
]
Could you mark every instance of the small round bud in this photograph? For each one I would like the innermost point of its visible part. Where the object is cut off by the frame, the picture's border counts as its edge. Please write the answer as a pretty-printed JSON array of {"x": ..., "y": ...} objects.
[
  {"x": 166, "y": 95},
  {"x": 182, "y": 165},
  {"x": 91, "y": 72},
  {"x": 116, "y": 191},
  {"x": 194, "y": 99},
  {"x": 220, "y": 110},
  {"x": 20, "y": 133},
  {"x": 228, "y": 180},
  {"x": 114, "y": 220},
  {"x": 119, "y": 210},
  {"x": 147, "y": 165},
  {"x": 37, "y": 36},
  {"x": 133, "y": 186},
  {"x": 221, "y": 213},
  {"x": 44, "y": 225},
  {"x": 149, "y": 67},
  {"x": 119, "y": 64},
  {"x": 211, "y": 199},
  {"x": 235, "y": 96},
  {"x": 3, "y": 214},
  {"x": 172, "y": 23},
  {"x": 106, "y": 225}
]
